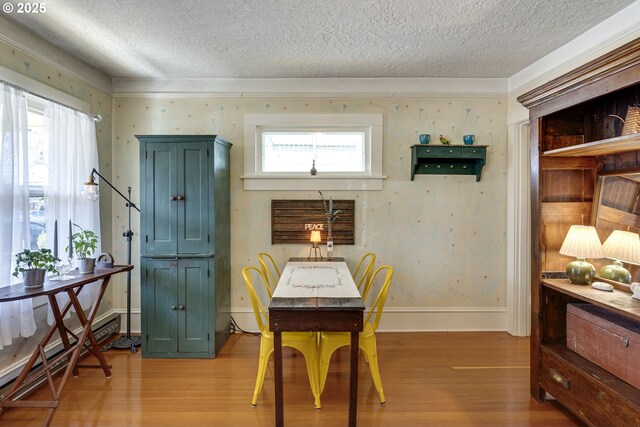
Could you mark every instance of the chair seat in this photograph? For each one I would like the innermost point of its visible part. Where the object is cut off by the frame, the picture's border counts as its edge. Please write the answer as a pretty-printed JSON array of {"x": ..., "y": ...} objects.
[
  {"x": 345, "y": 337},
  {"x": 289, "y": 336}
]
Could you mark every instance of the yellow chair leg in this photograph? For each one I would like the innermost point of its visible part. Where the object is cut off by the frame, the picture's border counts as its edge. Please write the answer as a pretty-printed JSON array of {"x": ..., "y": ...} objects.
[
  {"x": 312, "y": 372},
  {"x": 369, "y": 348},
  {"x": 265, "y": 352}
]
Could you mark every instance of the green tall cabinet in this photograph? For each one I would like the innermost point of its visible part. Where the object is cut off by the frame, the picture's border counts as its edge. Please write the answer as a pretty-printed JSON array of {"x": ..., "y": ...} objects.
[{"x": 185, "y": 239}]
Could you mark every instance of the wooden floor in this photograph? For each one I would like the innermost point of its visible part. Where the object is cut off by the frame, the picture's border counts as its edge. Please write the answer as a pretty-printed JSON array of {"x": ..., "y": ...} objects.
[{"x": 430, "y": 379}]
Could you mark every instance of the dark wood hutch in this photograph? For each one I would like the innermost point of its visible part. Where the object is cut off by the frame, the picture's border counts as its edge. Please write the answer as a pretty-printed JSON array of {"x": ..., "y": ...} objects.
[{"x": 575, "y": 141}]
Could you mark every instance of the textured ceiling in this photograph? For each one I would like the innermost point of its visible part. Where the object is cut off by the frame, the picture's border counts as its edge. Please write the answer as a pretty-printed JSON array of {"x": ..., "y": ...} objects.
[{"x": 314, "y": 38}]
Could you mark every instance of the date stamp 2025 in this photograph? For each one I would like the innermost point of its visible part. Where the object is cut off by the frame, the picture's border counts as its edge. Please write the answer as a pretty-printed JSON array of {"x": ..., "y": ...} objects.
[{"x": 24, "y": 8}]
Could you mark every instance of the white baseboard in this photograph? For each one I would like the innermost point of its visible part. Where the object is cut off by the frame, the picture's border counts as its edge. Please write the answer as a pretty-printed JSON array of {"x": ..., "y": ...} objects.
[
  {"x": 399, "y": 319},
  {"x": 136, "y": 322},
  {"x": 396, "y": 319}
]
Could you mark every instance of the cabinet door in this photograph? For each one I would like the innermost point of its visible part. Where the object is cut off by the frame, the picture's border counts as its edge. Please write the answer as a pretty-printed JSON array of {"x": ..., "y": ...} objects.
[
  {"x": 159, "y": 210},
  {"x": 193, "y": 184},
  {"x": 194, "y": 292},
  {"x": 161, "y": 305}
]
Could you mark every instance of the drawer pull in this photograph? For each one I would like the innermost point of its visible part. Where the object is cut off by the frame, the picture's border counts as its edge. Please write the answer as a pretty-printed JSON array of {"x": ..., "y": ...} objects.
[
  {"x": 451, "y": 151},
  {"x": 560, "y": 379},
  {"x": 625, "y": 341},
  {"x": 464, "y": 167},
  {"x": 428, "y": 151},
  {"x": 438, "y": 166},
  {"x": 450, "y": 166}
]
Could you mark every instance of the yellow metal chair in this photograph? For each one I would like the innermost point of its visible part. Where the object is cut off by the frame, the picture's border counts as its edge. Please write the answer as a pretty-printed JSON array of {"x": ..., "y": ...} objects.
[
  {"x": 331, "y": 341},
  {"x": 305, "y": 342},
  {"x": 270, "y": 271},
  {"x": 362, "y": 275}
]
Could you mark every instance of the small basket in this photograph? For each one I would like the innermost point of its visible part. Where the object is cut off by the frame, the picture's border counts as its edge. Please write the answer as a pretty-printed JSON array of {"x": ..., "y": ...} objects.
[{"x": 632, "y": 121}]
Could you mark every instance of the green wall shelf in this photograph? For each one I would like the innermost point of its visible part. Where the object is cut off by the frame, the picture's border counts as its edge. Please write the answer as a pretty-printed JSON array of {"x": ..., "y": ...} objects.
[{"x": 448, "y": 160}]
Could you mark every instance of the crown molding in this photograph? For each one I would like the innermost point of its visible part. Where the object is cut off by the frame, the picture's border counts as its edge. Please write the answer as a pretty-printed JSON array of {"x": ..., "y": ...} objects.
[
  {"x": 623, "y": 59},
  {"x": 20, "y": 38},
  {"x": 616, "y": 31},
  {"x": 311, "y": 87}
]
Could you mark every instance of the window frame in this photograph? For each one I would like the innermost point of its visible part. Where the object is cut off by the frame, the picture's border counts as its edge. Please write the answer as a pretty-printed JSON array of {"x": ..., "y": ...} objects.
[{"x": 256, "y": 179}]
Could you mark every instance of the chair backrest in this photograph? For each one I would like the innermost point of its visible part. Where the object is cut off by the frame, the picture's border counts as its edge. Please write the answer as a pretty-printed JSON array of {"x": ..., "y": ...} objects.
[
  {"x": 261, "y": 314},
  {"x": 270, "y": 271},
  {"x": 378, "y": 304},
  {"x": 363, "y": 272}
]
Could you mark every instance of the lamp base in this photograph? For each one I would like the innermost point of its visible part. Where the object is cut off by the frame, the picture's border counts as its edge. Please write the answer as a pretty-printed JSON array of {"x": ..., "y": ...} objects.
[
  {"x": 616, "y": 272},
  {"x": 580, "y": 272},
  {"x": 124, "y": 343}
]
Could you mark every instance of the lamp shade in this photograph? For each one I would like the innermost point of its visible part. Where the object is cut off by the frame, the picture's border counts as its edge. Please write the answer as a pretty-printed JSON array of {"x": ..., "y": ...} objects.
[
  {"x": 315, "y": 236},
  {"x": 623, "y": 246},
  {"x": 90, "y": 189},
  {"x": 582, "y": 241}
]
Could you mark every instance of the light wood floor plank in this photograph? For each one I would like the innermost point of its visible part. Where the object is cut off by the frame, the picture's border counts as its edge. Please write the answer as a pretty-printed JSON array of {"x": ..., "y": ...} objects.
[{"x": 419, "y": 375}]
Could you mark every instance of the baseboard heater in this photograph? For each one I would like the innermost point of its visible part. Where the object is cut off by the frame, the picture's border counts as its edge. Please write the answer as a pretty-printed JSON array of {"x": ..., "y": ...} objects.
[{"x": 102, "y": 332}]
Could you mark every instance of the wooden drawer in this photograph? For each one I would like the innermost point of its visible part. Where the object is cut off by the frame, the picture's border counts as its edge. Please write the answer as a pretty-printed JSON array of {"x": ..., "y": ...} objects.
[
  {"x": 474, "y": 152},
  {"x": 439, "y": 151},
  {"x": 590, "y": 392},
  {"x": 607, "y": 339}
]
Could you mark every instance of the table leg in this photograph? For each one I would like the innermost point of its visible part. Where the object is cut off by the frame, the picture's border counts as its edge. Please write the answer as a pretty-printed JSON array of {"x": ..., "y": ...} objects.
[
  {"x": 62, "y": 329},
  {"x": 277, "y": 365},
  {"x": 353, "y": 379},
  {"x": 94, "y": 348}
]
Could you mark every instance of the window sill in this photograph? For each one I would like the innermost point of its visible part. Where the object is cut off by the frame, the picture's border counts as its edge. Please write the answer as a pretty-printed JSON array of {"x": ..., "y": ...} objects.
[{"x": 334, "y": 182}]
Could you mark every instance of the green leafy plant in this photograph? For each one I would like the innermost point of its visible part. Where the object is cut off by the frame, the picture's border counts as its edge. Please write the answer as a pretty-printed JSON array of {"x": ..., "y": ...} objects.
[
  {"x": 84, "y": 242},
  {"x": 33, "y": 260},
  {"x": 331, "y": 214}
]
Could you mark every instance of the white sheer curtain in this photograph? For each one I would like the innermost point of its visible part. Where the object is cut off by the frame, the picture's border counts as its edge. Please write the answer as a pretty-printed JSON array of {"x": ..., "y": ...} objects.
[
  {"x": 73, "y": 153},
  {"x": 16, "y": 317}
]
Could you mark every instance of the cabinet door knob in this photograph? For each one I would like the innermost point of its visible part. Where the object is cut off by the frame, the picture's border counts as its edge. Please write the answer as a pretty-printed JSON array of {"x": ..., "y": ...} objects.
[
  {"x": 181, "y": 307},
  {"x": 181, "y": 198},
  {"x": 173, "y": 307},
  {"x": 172, "y": 198}
]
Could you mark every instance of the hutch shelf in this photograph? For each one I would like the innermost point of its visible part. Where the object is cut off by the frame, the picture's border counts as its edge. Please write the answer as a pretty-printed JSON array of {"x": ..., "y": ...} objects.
[{"x": 620, "y": 144}]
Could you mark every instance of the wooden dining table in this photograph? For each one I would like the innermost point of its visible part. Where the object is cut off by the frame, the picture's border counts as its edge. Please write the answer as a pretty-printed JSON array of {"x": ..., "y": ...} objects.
[
  {"x": 316, "y": 295},
  {"x": 72, "y": 343}
]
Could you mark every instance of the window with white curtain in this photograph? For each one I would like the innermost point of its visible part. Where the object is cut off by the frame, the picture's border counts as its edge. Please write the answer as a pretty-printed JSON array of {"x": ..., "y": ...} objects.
[
  {"x": 38, "y": 157},
  {"x": 46, "y": 151}
]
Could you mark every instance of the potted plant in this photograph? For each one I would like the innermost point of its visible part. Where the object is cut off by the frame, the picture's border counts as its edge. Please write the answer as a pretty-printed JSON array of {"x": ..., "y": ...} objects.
[
  {"x": 84, "y": 244},
  {"x": 33, "y": 264},
  {"x": 331, "y": 215}
]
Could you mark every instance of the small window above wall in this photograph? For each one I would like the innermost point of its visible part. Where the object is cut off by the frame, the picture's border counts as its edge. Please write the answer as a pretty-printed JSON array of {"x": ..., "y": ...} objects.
[{"x": 344, "y": 149}]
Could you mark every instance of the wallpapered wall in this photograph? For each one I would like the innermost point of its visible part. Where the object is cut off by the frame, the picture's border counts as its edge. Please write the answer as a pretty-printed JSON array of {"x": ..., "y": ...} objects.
[
  {"x": 444, "y": 235},
  {"x": 100, "y": 103}
]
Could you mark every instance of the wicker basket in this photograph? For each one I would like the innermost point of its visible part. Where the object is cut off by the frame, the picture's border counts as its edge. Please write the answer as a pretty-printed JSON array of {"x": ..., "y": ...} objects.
[{"x": 631, "y": 121}]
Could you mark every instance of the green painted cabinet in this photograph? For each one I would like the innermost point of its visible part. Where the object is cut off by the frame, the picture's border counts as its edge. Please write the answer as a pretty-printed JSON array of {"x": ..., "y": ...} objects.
[{"x": 185, "y": 239}]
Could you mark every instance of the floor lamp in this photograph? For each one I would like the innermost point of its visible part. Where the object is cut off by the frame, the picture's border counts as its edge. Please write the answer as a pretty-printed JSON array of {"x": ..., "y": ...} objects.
[{"x": 90, "y": 190}]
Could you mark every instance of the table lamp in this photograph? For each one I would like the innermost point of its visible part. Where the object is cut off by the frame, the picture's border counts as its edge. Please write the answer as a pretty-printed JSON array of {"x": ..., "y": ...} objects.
[
  {"x": 315, "y": 240},
  {"x": 620, "y": 246},
  {"x": 582, "y": 242}
]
